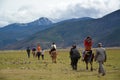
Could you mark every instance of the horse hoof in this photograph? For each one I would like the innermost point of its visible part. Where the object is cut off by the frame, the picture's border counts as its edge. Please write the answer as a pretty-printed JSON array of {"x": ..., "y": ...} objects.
[
  {"x": 87, "y": 68},
  {"x": 91, "y": 69},
  {"x": 103, "y": 74}
]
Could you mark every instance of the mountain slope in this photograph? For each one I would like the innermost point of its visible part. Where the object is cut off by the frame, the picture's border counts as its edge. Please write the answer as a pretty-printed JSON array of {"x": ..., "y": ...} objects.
[
  {"x": 19, "y": 31},
  {"x": 64, "y": 34}
]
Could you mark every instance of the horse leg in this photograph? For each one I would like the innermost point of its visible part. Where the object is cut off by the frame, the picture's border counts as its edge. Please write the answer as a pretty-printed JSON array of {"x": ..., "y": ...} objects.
[
  {"x": 52, "y": 59},
  {"x": 91, "y": 66},
  {"x": 33, "y": 54},
  {"x": 86, "y": 65},
  {"x": 55, "y": 60},
  {"x": 92, "y": 62},
  {"x": 52, "y": 56}
]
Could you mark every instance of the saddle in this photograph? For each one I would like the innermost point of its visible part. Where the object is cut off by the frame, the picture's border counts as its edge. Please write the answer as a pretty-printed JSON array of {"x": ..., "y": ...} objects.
[
  {"x": 87, "y": 55},
  {"x": 88, "y": 52}
]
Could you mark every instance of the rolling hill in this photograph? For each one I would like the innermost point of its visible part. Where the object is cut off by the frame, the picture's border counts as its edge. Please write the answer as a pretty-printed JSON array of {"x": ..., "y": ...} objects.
[{"x": 65, "y": 33}]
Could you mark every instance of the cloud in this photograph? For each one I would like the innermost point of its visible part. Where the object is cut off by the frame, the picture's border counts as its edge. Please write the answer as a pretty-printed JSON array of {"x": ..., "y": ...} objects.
[
  {"x": 3, "y": 23},
  {"x": 88, "y": 8},
  {"x": 27, "y": 11},
  {"x": 79, "y": 11},
  {"x": 23, "y": 14}
]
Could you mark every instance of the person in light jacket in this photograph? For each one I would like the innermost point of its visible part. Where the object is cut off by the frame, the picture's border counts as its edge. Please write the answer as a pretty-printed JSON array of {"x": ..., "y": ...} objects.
[{"x": 101, "y": 57}]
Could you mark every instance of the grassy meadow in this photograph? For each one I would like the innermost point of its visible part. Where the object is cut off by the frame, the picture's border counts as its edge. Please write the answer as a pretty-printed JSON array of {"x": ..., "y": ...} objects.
[{"x": 14, "y": 65}]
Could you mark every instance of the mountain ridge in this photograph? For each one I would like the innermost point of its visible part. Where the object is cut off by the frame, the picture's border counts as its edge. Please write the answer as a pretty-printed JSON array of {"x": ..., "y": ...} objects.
[
  {"x": 65, "y": 33},
  {"x": 19, "y": 31}
]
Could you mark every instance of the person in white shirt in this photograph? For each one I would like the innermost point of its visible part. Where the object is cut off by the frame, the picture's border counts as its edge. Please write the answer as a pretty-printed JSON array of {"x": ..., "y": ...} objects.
[{"x": 53, "y": 47}]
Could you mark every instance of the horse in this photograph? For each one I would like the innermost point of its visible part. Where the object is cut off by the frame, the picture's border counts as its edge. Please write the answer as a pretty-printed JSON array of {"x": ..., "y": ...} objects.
[
  {"x": 53, "y": 55},
  {"x": 34, "y": 54},
  {"x": 88, "y": 57}
]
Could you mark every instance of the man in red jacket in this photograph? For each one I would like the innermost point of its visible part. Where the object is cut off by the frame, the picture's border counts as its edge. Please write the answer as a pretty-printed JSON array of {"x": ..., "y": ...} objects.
[{"x": 88, "y": 45}]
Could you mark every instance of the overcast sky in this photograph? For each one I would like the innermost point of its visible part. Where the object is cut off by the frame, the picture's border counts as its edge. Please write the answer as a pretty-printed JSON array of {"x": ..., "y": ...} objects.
[{"x": 23, "y": 11}]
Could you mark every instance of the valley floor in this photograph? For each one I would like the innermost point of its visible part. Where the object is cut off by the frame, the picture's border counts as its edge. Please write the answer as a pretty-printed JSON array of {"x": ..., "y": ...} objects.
[{"x": 14, "y": 65}]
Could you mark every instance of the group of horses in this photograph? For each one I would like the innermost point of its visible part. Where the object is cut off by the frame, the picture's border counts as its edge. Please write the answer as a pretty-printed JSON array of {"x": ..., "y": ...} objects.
[{"x": 87, "y": 58}]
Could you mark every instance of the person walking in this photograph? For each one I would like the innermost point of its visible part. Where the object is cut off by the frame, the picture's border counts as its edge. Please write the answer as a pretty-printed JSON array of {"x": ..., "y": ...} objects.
[
  {"x": 74, "y": 56},
  {"x": 42, "y": 54},
  {"x": 101, "y": 57},
  {"x": 38, "y": 51},
  {"x": 28, "y": 51}
]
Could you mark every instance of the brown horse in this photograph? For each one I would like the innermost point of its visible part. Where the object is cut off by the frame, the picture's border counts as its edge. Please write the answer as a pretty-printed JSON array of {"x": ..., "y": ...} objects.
[
  {"x": 53, "y": 55},
  {"x": 88, "y": 58}
]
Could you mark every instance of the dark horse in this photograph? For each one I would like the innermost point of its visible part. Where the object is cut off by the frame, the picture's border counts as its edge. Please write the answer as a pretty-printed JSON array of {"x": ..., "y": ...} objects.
[
  {"x": 53, "y": 55},
  {"x": 88, "y": 58}
]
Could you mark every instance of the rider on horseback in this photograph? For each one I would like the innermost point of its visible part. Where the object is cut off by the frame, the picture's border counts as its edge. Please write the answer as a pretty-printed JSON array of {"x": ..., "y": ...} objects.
[
  {"x": 88, "y": 45},
  {"x": 53, "y": 52},
  {"x": 53, "y": 47}
]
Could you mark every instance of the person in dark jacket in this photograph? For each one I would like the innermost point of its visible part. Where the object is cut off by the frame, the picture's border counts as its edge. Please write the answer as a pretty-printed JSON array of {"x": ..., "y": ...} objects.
[
  {"x": 28, "y": 51},
  {"x": 75, "y": 56}
]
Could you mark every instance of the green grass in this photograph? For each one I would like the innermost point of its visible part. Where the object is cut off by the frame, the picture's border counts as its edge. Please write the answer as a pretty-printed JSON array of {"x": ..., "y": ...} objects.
[{"x": 14, "y": 65}]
